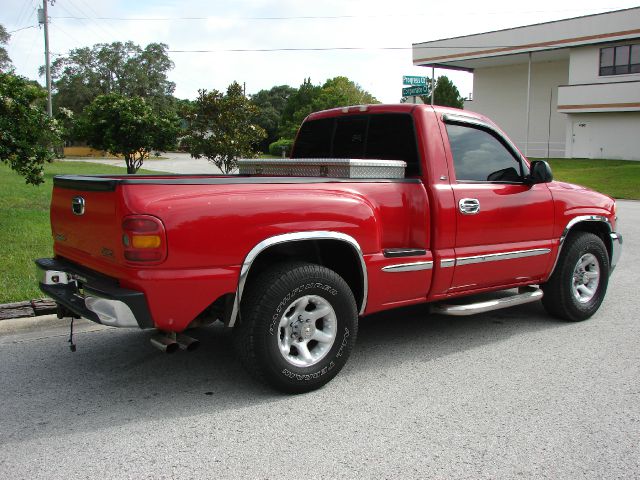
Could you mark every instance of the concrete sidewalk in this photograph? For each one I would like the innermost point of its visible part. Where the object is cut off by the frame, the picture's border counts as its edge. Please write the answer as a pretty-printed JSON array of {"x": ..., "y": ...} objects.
[{"x": 174, "y": 162}]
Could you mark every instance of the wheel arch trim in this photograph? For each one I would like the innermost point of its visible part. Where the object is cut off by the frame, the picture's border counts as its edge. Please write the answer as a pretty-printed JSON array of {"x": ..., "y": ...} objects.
[
  {"x": 571, "y": 224},
  {"x": 296, "y": 237}
]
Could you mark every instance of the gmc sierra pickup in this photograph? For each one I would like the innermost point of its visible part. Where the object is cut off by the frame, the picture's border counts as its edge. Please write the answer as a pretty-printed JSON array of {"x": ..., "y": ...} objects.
[{"x": 379, "y": 206}]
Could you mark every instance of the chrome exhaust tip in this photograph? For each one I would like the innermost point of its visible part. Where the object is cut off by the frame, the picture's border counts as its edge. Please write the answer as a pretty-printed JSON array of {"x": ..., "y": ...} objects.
[
  {"x": 164, "y": 343},
  {"x": 186, "y": 342}
]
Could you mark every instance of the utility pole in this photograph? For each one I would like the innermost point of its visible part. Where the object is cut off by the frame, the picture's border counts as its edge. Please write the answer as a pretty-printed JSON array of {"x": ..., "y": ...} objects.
[
  {"x": 433, "y": 82},
  {"x": 43, "y": 18}
]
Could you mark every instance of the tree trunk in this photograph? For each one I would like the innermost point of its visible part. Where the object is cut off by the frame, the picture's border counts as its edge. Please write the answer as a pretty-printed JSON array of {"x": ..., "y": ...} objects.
[{"x": 131, "y": 168}]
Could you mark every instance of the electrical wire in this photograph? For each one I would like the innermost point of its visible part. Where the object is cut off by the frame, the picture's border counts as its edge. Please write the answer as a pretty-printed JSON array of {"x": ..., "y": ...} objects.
[
  {"x": 325, "y": 17},
  {"x": 310, "y": 49},
  {"x": 23, "y": 11},
  {"x": 23, "y": 28}
]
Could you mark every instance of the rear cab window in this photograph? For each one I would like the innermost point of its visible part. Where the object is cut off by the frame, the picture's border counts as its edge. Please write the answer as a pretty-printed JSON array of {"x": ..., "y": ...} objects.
[{"x": 383, "y": 136}]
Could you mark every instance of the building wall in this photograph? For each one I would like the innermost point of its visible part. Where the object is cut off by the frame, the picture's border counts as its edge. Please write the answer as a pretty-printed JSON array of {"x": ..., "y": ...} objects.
[
  {"x": 584, "y": 66},
  {"x": 604, "y": 135},
  {"x": 501, "y": 94}
]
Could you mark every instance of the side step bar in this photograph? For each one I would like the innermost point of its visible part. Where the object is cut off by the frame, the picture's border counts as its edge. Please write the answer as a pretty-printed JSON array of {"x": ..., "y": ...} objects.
[{"x": 524, "y": 295}]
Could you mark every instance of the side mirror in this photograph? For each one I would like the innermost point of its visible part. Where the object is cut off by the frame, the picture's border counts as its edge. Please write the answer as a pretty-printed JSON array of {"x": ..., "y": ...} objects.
[{"x": 540, "y": 172}]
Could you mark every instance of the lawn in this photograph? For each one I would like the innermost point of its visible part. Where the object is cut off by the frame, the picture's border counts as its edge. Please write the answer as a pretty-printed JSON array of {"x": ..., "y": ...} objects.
[
  {"x": 24, "y": 211},
  {"x": 24, "y": 226},
  {"x": 616, "y": 178}
]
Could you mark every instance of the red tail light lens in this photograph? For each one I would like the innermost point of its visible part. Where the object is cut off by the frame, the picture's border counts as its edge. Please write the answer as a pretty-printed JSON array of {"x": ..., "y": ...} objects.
[{"x": 144, "y": 239}]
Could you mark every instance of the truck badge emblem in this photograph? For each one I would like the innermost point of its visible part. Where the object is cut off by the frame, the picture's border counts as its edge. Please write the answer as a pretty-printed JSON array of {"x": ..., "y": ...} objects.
[{"x": 77, "y": 205}]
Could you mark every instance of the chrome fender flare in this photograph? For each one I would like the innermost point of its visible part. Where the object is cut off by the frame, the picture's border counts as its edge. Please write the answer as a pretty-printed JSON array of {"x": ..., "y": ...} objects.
[
  {"x": 580, "y": 219},
  {"x": 296, "y": 237}
]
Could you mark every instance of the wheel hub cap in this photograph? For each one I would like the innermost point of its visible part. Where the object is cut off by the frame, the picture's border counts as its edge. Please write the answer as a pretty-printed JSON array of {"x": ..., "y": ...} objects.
[
  {"x": 586, "y": 278},
  {"x": 307, "y": 331}
]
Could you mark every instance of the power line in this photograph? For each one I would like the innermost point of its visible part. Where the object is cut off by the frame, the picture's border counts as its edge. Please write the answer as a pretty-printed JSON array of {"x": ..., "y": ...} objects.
[
  {"x": 92, "y": 11},
  {"x": 311, "y": 49},
  {"x": 89, "y": 21},
  {"x": 320, "y": 17},
  {"x": 323, "y": 49},
  {"x": 24, "y": 13},
  {"x": 23, "y": 28}
]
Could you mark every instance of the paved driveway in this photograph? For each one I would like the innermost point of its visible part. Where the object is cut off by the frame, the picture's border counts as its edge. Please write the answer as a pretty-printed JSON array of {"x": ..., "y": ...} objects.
[
  {"x": 508, "y": 394},
  {"x": 174, "y": 162}
]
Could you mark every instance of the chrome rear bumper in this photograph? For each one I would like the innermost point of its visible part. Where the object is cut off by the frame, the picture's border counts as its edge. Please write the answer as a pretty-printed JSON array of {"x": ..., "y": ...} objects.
[{"x": 91, "y": 295}]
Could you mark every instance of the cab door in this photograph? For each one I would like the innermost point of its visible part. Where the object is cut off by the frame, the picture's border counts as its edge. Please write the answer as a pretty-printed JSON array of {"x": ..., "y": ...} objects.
[{"x": 503, "y": 224}]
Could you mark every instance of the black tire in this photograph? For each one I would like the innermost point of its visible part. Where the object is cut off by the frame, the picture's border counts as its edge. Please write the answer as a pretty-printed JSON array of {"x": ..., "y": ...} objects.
[
  {"x": 259, "y": 337},
  {"x": 559, "y": 298}
]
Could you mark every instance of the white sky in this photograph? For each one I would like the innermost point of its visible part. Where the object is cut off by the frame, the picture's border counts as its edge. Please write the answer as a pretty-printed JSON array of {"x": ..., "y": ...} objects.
[{"x": 233, "y": 25}]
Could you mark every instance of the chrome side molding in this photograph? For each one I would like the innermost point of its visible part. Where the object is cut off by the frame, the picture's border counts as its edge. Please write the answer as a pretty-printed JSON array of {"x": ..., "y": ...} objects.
[
  {"x": 496, "y": 257},
  {"x": 408, "y": 267}
]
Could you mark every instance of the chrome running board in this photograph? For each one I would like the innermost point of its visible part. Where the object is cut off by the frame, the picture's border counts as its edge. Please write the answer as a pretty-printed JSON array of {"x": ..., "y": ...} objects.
[{"x": 525, "y": 295}]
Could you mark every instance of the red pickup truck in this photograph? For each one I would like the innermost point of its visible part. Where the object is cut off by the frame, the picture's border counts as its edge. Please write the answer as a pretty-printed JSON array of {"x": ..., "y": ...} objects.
[{"x": 379, "y": 207}]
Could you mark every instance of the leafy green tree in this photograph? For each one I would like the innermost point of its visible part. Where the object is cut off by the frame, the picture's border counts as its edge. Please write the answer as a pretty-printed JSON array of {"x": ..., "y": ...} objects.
[
  {"x": 340, "y": 92},
  {"x": 122, "y": 68},
  {"x": 446, "y": 94},
  {"x": 298, "y": 106},
  {"x": 336, "y": 92},
  {"x": 271, "y": 104},
  {"x": 222, "y": 127},
  {"x": 27, "y": 134},
  {"x": 5, "y": 61},
  {"x": 128, "y": 126}
]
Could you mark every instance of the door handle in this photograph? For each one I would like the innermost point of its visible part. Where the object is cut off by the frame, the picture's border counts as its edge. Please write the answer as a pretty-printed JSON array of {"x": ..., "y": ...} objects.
[{"x": 469, "y": 206}]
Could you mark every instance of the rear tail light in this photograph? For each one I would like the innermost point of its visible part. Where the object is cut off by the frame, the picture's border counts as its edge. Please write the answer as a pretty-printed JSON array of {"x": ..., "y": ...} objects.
[{"x": 144, "y": 239}]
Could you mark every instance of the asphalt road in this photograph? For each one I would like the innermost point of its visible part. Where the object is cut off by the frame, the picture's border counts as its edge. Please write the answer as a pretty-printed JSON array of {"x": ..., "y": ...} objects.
[{"x": 511, "y": 394}]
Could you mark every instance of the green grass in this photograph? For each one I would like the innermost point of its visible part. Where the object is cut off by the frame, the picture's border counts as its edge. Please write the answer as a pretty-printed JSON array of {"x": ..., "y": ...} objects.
[
  {"x": 616, "y": 178},
  {"x": 24, "y": 226},
  {"x": 24, "y": 211}
]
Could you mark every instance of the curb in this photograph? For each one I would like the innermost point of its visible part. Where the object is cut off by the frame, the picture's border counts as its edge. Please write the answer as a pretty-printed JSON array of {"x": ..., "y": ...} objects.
[{"x": 28, "y": 308}]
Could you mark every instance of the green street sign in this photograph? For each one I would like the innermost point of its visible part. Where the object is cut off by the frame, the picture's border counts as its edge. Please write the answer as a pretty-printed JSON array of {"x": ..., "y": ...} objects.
[
  {"x": 413, "y": 80},
  {"x": 414, "y": 91}
]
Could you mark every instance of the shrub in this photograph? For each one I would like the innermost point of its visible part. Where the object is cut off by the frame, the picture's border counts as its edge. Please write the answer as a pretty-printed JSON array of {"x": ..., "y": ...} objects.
[{"x": 275, "y": 148}]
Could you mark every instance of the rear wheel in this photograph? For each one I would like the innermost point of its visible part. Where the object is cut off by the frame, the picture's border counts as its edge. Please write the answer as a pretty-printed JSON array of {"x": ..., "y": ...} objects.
[
  {"x": 578, "y": 284},
  {"x": 297, "y": 328}
]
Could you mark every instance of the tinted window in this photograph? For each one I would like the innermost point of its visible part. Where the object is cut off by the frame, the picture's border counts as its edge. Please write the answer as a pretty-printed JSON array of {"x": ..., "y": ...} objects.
[
  {"x": 479, "y": 156},
  {"x": 314, "y": 139},
  {"x": 348, "y": 140},
  {"x": 620, "y": 60},
  {"x": 391, "y": 137},
  {"x": 387, "y": 136}
]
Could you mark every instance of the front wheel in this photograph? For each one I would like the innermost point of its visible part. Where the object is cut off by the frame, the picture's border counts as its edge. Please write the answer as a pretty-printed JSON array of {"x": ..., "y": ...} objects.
[
  {"x": 297, "y": 327},
  {"x": 578, "y": 284}
]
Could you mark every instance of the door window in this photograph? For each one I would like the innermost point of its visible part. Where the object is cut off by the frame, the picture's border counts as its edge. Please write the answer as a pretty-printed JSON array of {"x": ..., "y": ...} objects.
[{"x": 478, "y": 156}]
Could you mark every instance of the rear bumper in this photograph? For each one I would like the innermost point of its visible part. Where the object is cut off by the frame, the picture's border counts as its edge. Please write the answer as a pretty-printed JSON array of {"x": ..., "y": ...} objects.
[{"x": 91, "y": 295}]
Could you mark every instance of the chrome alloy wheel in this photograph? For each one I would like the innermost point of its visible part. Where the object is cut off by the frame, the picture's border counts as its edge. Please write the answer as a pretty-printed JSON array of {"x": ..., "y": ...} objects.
[
  {"x": 307, "y": 331},
  {"x": 586, "y": 278}
]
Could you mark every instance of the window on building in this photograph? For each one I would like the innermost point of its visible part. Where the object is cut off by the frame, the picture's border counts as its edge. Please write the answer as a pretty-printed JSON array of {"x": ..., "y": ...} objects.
[
  {"x": 620, "y": 60},
  {"x": 478, "y": 156}
]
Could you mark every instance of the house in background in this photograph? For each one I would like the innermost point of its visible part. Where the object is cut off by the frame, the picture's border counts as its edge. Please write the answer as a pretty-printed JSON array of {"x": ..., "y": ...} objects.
[{"x": 569, "y": 88}]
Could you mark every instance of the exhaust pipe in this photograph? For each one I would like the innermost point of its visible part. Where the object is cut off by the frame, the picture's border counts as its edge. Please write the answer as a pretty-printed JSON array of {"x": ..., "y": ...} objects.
[
  {"x": 164, "y": 343},
  {"x": 186, "y": 342}
]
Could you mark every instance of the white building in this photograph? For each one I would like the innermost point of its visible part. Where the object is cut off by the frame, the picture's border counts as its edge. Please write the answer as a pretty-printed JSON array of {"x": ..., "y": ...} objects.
[{"x": 569, "y": 88}]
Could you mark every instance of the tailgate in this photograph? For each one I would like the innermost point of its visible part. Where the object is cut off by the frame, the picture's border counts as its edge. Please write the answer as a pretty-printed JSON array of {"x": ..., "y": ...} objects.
[{"x": 85, "y": 220}]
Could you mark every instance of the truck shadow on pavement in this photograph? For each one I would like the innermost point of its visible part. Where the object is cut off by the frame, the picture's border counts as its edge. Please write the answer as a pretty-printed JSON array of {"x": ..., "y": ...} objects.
[{"x": 116, "y": 378}]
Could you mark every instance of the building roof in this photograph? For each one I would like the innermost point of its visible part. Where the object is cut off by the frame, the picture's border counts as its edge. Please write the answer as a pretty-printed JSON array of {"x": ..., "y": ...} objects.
[{"x": 512, "y": 45}]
